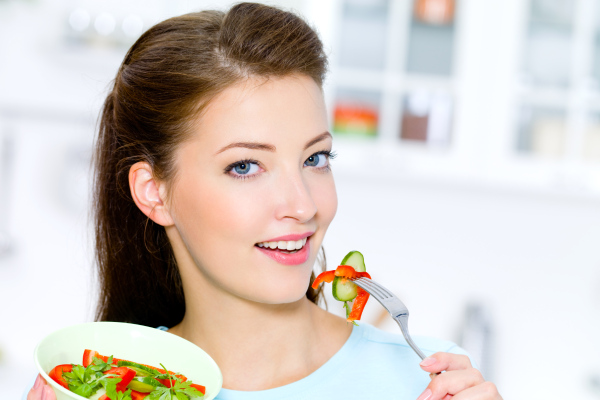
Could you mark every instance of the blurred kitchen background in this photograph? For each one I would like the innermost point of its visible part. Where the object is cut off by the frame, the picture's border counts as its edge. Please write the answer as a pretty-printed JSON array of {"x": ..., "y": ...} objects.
[{"x": 468, "y": 135}]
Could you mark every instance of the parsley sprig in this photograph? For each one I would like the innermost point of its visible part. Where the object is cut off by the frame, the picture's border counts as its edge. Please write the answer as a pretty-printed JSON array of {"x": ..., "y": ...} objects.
[
  {"x": 178, "y": 390},
  {"x": 122, "y": 395},
  {"x": 86, "y": 381}
]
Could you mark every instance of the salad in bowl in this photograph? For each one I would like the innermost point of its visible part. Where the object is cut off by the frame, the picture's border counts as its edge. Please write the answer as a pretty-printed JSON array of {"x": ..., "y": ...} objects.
[{"x": 78, "y": 363}]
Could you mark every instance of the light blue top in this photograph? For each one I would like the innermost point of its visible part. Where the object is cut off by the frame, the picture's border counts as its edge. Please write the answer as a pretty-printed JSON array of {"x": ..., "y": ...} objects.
[{"x": 372, "y": 364}]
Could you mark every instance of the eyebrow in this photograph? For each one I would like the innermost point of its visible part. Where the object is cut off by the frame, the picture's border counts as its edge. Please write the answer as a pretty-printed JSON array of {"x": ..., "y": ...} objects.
[
  {"x": 270, "y": 147},
  {"x": 319, "y": 138},
  {"x": 248, "y": 145}
]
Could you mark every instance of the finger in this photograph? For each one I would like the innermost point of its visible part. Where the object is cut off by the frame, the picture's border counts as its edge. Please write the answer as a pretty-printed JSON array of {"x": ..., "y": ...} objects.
[
  {"x": 484, "y": 391},
  {"x": 49, "y": 393},
  {"x": 38, "y": 389},
  {"x": 451, "y": 382},
  {"x": 439, "y": 362}
]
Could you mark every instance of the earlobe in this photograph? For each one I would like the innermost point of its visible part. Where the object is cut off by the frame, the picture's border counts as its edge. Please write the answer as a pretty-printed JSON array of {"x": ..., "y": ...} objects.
[{"x": 146, "y": 192}]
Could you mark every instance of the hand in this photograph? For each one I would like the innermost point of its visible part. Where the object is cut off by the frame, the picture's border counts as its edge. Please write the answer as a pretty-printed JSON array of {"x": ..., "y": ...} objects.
[
  {"x": 460, "y": 381},
  {"x": 41, "y": 390}
]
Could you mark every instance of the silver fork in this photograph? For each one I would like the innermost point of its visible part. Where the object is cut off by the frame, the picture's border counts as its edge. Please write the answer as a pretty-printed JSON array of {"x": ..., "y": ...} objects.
[{"x": 394, "y": 306}]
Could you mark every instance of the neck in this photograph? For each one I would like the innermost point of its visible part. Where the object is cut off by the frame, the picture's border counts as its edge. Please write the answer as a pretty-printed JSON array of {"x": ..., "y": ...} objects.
[
  {"x": 282, "y": 342},
  {"x": 257, "y": 346}
]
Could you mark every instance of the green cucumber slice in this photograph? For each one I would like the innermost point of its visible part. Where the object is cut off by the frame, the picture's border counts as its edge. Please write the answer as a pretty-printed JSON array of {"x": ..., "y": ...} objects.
[
  {"x": 355, "y": 259},
  {"x": 343, "y": 289},
  {"x": 140, "y": 370},
  {"x": 144, "y": 384}
]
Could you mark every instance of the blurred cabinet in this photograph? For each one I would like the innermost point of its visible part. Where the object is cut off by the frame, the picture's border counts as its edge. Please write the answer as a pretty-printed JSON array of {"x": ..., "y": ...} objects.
[
  {"x": 395, "y": 62},
  {"x": 558, "y": 89},
  {"x": 504, "y": 92}
]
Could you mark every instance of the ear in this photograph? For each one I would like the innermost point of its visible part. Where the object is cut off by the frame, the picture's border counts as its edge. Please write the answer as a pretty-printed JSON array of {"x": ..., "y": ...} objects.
[{"x": 148, "y": 193}]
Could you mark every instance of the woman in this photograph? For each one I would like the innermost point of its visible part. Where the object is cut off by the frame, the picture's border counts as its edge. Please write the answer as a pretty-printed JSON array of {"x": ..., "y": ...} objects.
[{"x": 213, "y": 142}]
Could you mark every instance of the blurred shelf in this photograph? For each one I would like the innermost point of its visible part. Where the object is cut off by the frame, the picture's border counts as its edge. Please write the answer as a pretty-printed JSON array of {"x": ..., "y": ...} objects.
[{"x": 531, "y": 120}]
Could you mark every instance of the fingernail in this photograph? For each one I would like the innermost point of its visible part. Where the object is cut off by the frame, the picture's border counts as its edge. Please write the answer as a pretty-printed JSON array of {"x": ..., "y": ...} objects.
[
  {"x": 424, "y": 396},
  {"x": 38, "y": 380},
  {"x": 428, "y": 361}
]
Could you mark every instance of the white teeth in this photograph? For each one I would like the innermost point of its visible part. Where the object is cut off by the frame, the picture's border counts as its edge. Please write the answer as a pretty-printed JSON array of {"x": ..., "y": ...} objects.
[{"x": 289, "y": 245}]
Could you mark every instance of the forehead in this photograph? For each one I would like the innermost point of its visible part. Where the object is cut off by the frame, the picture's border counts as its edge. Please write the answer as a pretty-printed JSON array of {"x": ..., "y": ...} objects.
[{"x": 274, "y": 109}]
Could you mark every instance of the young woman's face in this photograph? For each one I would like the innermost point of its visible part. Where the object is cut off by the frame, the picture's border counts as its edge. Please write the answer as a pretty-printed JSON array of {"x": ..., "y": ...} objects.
[{"x": 254, "y": 193}]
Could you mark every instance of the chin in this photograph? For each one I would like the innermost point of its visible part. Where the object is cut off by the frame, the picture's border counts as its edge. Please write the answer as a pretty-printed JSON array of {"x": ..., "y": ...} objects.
[{"x": 283, "y": 294}]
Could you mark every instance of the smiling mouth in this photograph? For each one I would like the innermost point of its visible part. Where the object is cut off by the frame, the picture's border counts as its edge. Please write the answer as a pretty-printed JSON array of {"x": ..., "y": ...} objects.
[{"x": 284, "y": 246}]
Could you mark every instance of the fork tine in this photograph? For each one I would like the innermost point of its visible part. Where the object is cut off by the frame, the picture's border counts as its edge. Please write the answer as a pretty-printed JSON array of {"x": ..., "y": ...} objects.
[
  {"x": 381, "y": 288},
  {"x": 373, "y": 286}
]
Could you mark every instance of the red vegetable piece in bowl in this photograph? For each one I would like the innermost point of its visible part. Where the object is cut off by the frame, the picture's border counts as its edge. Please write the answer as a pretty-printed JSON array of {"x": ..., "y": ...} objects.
[
  {"x": 126, "y": 375},
  {"x": 57, "y": 374}
]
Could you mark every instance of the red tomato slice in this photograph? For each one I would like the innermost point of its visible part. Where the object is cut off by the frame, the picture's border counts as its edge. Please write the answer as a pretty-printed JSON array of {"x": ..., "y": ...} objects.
[
  {"x": 57, "y": 374},
  {"x": 199, "y": 388},
  {"x": 167, "y": 382},
  {"x": 126, "y": 375},
  {"x": 88, "y": 357},
  {"x": 138, "y": 395}
]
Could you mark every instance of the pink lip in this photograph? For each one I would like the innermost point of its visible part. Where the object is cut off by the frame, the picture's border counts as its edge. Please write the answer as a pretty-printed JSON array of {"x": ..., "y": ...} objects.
[
  {"x": 300, "y": 257},
  {"x": 296, "y": 236}
]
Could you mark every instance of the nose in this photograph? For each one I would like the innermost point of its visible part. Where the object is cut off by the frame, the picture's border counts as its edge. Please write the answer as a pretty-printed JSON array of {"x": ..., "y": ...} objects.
[{"x": 295, "y": 199}]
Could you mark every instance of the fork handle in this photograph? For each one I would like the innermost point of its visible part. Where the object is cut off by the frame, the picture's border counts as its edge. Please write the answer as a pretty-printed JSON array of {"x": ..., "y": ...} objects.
[{"x": 402, "y": 321}]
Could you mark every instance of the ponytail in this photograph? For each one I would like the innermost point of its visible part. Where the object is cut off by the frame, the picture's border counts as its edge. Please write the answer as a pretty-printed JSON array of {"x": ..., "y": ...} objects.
[{"x": 138, "y": 276}]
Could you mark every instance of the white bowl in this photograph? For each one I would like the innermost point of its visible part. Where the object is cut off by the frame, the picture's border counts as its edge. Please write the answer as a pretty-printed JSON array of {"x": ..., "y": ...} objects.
[{"x": 130, "y": 342}]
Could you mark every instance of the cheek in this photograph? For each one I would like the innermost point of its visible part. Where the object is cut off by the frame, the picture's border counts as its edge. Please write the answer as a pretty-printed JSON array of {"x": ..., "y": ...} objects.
[
  {"x": 325, "y": 197},
  {"x": 214, "y": 216},
  {"x": 219, "y": 223}
]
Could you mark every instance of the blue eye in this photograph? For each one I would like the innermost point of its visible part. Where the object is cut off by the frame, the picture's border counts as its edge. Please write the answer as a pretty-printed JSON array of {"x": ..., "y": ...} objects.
[
  {"x": 316, "y": 160},
  {"x": 245, "y": 168}
]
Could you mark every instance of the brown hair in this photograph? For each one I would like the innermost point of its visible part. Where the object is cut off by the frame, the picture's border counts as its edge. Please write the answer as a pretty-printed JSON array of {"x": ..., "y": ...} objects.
[{"x": 167, "y": 78}]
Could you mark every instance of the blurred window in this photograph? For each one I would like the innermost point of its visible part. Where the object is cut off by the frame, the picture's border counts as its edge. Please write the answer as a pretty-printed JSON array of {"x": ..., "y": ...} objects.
[
  {"x": 542, "y": 131},
  {"x": 591, "y": 138},
  {"x": 431, "y": 38},
  {"x": 363, "y": 34},
  {"x": 548, "y": 43}
]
